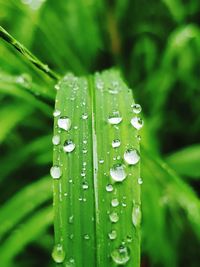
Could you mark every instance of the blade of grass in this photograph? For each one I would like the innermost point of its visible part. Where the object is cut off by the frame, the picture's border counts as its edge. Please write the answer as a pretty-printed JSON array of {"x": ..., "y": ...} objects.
[
  {"x": 25, "y": 234},
  {"x": 85, "y": 217},
  {"x": 27, "y": 54},
  {"x": 28, "y": 199},
  {"x": 186, "y": 161}
]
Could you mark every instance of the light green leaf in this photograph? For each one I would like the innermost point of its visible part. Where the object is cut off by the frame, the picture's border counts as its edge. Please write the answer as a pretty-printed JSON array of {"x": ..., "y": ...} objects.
[
  {"x": 186, "y": 161},
  {"x": 97, "y": 197}
]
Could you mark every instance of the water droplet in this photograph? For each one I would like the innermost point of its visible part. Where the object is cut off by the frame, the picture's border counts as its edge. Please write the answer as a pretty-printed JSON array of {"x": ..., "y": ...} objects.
[
  {"x": 101, "y": 161},
  {"x": 114, "y": 217},
  {"x": 132, "y": 156},
  {"x": 138, "y": 137},
  {"x": 112, "y": 235},
  {"x": 140, "y": 181},
  {"x": 137, "y": 123},
  {"x": 115, "y": 202},
  {"x": 56, "y": 140},
  {"x": 121, "y": 255},
  {"x": 85, "y": 151},
  {"x": 57, "y": 86},
  {"x": 85, "y": 185},
  {"x": 64, "y": 123},
  {"x": 118, "y": 173},
  {"x": 114, "y": 118},
  {"x": 55, "y": 172},
  {"x": 113, "y": 91},
  {"x": 136, "y": 215},
  {"x": 109, "y": 188},
  {"x": 116, "y": 143},
  {"x": 84, "y": 116},
  {"x": 71, "y": 219},
  {"x": 129, "y": 238},
  {"x": 86, "y": 237},
  {"x": 56, "y": 113},
  {"x": 69, "y": 146},
  {"x": 58, "y": 253},
  {"x": 136, "y": 108}
]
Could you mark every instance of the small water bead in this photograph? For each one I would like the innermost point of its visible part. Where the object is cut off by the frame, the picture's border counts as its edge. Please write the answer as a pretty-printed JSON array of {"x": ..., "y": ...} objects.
[
  {"x": 136, "y": 215},
  {"x": 86, "y": 237},
  {"x": 85, "y": 151},
  {"x": 136, "y": 108},
  {"x": 112, "y": 235},
  {"x": 56, "y": 140},
  {"x": 137, "y": 123},
  {"x": 58, "y": 253},
  {"x": 116, "y": 143},
  {"x": 140, "y": 181},
  {"x": 114, "y": 118},
  {"x": 101, "y": 161},
  {"x": 129, "y": 238},
  {"x": 115, "y": 202},
  {"x": 85, "y": 185},
  {"x": 138, "y": 137},
  {"x": 84, "y": 116},
  {"x": 109, "y": 188},
  {"x": 64, "y": 123},
  {"x": 55, "y": 172},
  {"x": 118, "y": 173},
  {"x": 69, "y": 146},
  {"x": 71, "y": 219},
  {"x": 132, "y": 156},
  {"x": 121, "y": 255},
  {"x": 57, "y": 86},
  {"x": 114, "y": 217},
  {"x": 56, "y": 113}
]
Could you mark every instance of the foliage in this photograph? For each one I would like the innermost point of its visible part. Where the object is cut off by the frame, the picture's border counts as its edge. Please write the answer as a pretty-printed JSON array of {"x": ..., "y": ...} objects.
[{"x": 155, "y": 44}]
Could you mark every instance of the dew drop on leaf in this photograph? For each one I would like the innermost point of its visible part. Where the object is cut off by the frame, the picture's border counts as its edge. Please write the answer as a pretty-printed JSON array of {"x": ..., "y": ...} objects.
[
  {"x": 116, "y": 143},
  {"x": 136, "y": 108},
  {"x": 55, "y": 172},
  {"x": 57, "y": 86},
  {"x": 136, "y": 215},
  {"x": 114, "y": 217},
  {"x": 114, "y": 118},
  {"x": 112, "y": 235},
  {"x": 56, "y": 140},
  {"x": 84, "y": 116},
  {"x": 56, "y": 113},
  {"x": 140, "y": 181},
  {"x": 85, "y": 185},
  {"x": 137, "y": 123},
  {"x": 58, "y": 253},
  {"x": 64, "y": 123},
  {"x": 69, "y": 146},
  {"x": 120, "y": 255},
  {"x": 109, "y": 188},
  {"x": 118, "y": 173},
  {"x": 115, "y": 202},
  {"x": 132, "y": 156},
  {"x": 86, "y": 237}
]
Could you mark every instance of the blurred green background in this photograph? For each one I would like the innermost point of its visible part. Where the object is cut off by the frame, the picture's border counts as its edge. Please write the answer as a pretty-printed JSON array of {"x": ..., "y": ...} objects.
[{"x": 156, "y": 45}]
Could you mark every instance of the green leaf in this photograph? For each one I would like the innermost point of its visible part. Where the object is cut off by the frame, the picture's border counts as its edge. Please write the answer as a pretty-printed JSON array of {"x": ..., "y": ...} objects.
[
  {"x": 25, "y": 234},
  {"x": 186, "y": 161},
  {"x": 97, "y": 195},
  {"x": 25, "y": 201}
]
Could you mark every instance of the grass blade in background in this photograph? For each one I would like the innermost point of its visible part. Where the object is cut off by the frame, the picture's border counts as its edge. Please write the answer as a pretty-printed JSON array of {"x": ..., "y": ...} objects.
[{"x": 96, "y": 172}]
